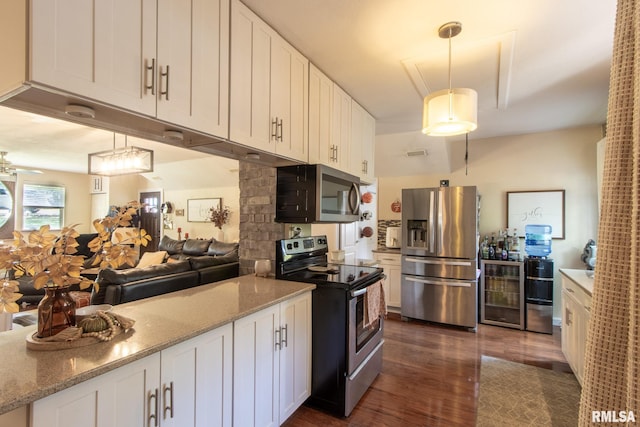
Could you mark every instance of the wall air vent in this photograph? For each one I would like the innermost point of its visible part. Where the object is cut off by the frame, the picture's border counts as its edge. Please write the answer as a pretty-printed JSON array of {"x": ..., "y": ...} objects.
[{"x": 417, "y": 153}]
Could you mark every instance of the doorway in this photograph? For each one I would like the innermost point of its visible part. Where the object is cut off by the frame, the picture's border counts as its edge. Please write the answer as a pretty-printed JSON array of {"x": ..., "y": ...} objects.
[{"x": 150, "y": 219}]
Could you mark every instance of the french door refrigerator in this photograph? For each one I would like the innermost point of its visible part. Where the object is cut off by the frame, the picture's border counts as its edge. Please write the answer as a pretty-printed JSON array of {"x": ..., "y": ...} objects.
[{"x": 439, "y": 255}]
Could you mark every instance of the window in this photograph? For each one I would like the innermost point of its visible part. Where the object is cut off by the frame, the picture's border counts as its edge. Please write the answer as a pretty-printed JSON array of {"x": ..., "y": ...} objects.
[{"x": 42, "y": 205}]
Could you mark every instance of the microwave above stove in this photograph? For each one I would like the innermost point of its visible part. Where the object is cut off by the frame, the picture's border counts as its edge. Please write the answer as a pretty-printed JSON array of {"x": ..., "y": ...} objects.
[{"x": 308, "y": 194}]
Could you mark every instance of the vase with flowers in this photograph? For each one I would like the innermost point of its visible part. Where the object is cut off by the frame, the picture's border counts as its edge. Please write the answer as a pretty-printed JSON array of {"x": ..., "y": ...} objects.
[
  {"x": 219, "y": 216},
  {"x": 51, "y": 260}
]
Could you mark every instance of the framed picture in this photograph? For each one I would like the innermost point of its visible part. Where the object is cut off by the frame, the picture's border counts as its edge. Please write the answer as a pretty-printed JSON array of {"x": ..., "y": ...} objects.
[
  {"x": 536, "y": 207},
  {"x": 198, "y": 209}
]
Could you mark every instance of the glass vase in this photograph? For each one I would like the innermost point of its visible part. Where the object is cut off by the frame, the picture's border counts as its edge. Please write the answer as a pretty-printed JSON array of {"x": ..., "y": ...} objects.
[{"x": 56, "y": 311}]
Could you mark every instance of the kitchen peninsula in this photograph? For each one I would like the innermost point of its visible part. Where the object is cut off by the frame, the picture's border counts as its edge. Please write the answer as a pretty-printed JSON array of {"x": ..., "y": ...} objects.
[{"x": 164, "y": 324}]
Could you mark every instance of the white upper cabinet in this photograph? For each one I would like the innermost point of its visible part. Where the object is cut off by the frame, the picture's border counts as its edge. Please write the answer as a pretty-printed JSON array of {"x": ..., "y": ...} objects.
[
  {"x": 193, "y": 64},
  {"x": 340, "y": 128},
  {"x": 96, "y": 49},
  {"x": 163, "y": 58},
  {"x": 362, "y": 144},
  {"x": 269, "y": 88},
  {"x": 320, "y": 90}
]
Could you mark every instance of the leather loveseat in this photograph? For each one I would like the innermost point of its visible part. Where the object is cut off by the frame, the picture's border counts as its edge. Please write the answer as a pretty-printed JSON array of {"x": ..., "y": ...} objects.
[{"x": 191, "y": 262}]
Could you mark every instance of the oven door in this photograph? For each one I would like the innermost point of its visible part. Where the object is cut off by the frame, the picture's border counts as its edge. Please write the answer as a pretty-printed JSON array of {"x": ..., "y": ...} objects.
[{"x": 362, "y": 339}]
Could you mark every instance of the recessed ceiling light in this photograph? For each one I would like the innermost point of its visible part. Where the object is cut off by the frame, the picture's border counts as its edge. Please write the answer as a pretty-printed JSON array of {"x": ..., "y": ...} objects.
[
  {"x": 80, "y": 111},
  {"x": 174, "y": 135}
]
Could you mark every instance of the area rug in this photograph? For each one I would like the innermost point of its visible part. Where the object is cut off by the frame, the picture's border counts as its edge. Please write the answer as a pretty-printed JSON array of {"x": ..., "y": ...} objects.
[{"x": 515, "y": 394}]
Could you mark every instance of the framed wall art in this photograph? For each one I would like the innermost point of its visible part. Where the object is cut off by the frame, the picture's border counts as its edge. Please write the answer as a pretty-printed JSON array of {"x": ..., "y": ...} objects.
[
  {"x": 198, "y": 209},
  {"x": 536, "y": 207}
]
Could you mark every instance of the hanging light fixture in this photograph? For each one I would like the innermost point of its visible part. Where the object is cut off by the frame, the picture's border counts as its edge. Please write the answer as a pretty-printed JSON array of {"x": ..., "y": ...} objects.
[
  {"x": 452, "y": 111},
  {"x": 122, "y": 161}
]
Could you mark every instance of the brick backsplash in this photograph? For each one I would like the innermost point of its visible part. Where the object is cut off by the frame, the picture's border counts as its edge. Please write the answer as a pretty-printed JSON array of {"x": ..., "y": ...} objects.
[
  {"x": 258, "y": 230},
  {"x": 382, "y": 229}
]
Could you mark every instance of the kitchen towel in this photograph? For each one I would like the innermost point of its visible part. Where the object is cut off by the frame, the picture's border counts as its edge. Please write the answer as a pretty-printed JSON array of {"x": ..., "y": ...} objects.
[{"x": 375, "y": 304}]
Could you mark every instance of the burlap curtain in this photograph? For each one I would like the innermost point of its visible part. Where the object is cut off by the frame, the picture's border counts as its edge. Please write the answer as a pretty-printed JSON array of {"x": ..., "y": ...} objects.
[{"x": 611, "y": 360}]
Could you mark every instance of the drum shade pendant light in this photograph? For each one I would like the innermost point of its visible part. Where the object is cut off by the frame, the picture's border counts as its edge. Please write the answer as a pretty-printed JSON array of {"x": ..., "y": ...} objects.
[
  {"x": 452, "y": 111},
  {"x": 121, "y": 161}
]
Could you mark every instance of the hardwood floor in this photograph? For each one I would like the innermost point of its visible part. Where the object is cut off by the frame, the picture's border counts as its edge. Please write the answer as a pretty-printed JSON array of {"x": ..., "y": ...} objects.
[{"x": 430, "y": 374}]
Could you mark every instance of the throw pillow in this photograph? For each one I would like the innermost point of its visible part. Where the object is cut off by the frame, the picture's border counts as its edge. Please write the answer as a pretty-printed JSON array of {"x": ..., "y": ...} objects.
[{"x": 151, "y": 258}]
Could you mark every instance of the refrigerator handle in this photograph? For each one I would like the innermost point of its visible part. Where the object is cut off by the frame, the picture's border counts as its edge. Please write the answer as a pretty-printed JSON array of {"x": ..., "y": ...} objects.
[
  {"x": 438, "y": 262},
  {"x": 432, "y": 230},
  {"x": 439, "y": 282}
]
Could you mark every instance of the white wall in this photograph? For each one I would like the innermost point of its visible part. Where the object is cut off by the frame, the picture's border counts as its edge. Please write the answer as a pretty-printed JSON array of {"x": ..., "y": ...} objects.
[{"x": 545, "y": 161}]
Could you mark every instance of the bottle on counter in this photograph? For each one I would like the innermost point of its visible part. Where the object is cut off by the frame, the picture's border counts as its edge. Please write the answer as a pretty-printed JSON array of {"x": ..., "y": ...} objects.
[
  {"x": 492, "y": 247},
  {"x": 505, "y": 246},
  {"x": 484, "y": 248}
]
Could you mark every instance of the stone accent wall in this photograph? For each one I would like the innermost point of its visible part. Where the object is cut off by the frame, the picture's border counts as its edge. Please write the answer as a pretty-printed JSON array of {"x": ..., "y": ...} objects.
[
  {"x": 258, "y": 231},
  {"x": 382, "y": 229}
]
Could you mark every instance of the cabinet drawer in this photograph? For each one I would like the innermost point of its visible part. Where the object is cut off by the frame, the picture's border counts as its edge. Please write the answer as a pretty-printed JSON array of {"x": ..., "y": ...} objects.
[
  {"x": 388, "y": 259},
  {"x": 577, "y": 292}
]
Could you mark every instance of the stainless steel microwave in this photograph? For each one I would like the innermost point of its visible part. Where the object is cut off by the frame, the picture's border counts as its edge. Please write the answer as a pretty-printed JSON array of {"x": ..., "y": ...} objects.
[{"x": 316, "y": 193}]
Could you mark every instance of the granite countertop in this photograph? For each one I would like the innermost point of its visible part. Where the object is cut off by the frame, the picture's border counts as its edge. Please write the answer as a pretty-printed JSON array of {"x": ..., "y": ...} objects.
[
  {"x": 583, "y": 278},
  {"x": 162, "y": 321},
  {"x": 385, "y": 250}
]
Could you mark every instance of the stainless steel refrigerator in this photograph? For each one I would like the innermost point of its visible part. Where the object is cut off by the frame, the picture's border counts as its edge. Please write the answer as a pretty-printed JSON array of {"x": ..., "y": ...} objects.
[{"x": 439, "y": 255}]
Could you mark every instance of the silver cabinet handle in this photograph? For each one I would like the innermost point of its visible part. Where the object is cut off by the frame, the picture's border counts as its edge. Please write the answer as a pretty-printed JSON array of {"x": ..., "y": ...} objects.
[
  {"x": 151, "y": 68},
  {"x": 279, "y": 126},
  {"x": 164, "y": 398},
  {"x": 286, "y": 336},
  {"x": 274, "y": 125},
  {"x": 166, "y": 76},
  {"x": 152, "y": 416},
  {"x": 278, "y": 339}
]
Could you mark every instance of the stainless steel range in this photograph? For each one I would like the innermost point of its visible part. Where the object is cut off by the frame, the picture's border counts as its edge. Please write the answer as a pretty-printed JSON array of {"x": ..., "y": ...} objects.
[{"x": 346, "y": 346}]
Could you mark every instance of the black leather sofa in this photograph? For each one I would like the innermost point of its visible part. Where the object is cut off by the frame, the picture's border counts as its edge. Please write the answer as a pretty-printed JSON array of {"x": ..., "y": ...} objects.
[{"x": 192, "y": 262}]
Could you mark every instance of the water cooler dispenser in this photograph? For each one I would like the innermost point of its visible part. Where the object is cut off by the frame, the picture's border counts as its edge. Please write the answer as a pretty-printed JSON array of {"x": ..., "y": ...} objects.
[{"x": 538, "y": 271}]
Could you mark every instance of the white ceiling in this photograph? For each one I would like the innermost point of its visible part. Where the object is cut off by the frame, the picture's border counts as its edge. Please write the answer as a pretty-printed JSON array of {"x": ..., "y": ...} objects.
[{"x": 537, "y": 65}]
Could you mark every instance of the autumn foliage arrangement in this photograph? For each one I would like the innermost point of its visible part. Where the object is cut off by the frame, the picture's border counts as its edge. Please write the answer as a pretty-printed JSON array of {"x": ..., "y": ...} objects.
[
  {"x": 219, "y": 215},
  {"x": 52, "y": 261}
]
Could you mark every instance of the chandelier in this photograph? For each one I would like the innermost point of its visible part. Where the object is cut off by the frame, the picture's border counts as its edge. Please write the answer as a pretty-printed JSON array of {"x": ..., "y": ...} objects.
[
  {"x": 452, "y": 111},
  {"x": 121, "y": 161}
]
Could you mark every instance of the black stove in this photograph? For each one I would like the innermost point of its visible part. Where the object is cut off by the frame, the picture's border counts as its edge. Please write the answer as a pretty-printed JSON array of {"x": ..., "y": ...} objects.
[{"x": 304, "y": 259}]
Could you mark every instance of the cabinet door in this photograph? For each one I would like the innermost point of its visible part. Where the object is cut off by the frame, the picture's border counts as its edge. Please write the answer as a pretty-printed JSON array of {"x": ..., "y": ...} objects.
[
  {"x": 256, "y": 369},
  {"x": 320, "y": 88},
  {"x": 123, "y": 397},
  {"x": 356, "y": 140},
  {"x": 295, "y": 354},
  {"x": 368, "y": 148},
  {"x": 289, "y": 100},
  {"x": 194, "y": 385},
  {"x": 340, "y": 127},
  {"x": 96, "y": 49},
  {"x": 192, "y": 65},
  {"x": 250, "y": 80}
]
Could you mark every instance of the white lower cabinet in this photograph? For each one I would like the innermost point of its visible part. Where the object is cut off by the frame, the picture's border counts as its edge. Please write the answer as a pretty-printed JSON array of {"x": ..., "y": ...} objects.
[
  {"x": 188, "y": 384},
  {"x": 391, "y": 264},
  {"x": 272, "y": 363},
  {"x": 576, "y": 305}
]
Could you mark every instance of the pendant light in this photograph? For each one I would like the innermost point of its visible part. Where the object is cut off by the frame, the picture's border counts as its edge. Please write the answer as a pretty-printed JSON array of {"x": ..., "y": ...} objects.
[
  {"x": 452, "y": 111},
  {"x": 122, "y": 161}
]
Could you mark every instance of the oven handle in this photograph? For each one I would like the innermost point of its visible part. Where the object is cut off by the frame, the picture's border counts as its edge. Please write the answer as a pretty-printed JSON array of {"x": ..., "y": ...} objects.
[
  {"x": 439, "y": 282},
  {"x": 358, "y": 292},
  {"x": 438, "y": 262}
]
